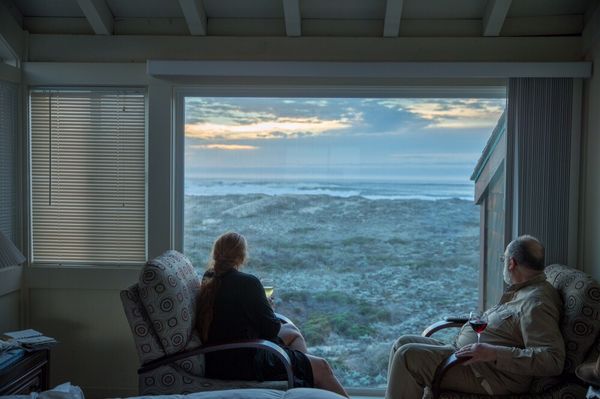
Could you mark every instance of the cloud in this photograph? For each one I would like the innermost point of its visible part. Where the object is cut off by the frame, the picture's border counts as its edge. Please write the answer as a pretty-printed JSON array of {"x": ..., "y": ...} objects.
[
  {"x": 318, "y": 103},
  {"x": 225, "y": 147},
  {"x": 451, "y": 113},
  {"x": 277, "y": 127},
  {"x": 252, "y": 118}
]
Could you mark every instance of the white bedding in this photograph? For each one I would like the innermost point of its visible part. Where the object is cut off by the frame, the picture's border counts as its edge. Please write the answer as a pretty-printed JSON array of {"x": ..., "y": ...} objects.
[
  {"x": 62, "y": 391},
  {"x": 68, "y": 391},
  {"x": 296, "y": 393}
]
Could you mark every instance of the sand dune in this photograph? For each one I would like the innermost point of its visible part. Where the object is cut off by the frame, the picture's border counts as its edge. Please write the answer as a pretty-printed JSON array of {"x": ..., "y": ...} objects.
[{"x": 353, "y": 272}]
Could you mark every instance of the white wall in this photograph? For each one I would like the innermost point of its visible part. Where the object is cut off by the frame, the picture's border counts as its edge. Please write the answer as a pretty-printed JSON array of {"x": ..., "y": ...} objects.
[
  {"x": 81, "y": 308},
  {"x": 11, "y": 307},
  {"x": 10, "y": 298}
]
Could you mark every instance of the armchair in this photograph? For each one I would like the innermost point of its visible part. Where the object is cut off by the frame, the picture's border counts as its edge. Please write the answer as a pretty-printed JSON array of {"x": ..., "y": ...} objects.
[
  {"x": 161, "y": 311},
  {"x": 580, "y": 327}
]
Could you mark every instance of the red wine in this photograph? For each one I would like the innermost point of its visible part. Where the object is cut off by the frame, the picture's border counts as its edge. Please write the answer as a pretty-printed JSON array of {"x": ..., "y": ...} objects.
[{"x": 478, "y": 326}]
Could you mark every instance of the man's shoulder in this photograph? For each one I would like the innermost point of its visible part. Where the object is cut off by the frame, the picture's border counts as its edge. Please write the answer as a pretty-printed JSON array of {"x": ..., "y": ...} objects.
[
  {"x": 543, "y": 288},
  {"x": 543, "y": 293}
]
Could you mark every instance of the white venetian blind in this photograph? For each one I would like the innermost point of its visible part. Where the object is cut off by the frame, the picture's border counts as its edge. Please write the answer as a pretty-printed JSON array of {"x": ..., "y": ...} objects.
[{"x": 88, "y": 171}]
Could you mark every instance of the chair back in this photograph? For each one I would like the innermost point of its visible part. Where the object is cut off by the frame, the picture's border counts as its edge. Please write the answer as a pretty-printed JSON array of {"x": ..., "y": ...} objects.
[
  {"x": 168, "y": 286},
  {"x": 146, "y": 341},
  {"x": 580, "y": 323},
  {"x": 161, "y": 310}
]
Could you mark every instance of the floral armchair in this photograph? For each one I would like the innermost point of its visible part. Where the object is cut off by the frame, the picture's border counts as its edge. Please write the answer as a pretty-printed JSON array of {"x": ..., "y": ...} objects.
[
  {"x": 580, "y": 326},
  {"x": 161, "y": 312}
]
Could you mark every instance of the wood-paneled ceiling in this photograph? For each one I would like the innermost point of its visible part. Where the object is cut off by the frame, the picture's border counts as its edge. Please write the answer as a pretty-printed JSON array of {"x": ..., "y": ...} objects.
[{"x": 327, "y": 18}]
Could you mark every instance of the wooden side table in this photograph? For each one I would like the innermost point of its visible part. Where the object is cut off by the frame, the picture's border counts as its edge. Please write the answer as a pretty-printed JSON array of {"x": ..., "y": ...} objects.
[{"x": 30, "y": 374}]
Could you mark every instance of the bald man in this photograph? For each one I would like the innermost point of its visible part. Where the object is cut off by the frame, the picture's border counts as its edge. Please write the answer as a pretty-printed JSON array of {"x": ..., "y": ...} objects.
[{"x": 522, "y": 339}]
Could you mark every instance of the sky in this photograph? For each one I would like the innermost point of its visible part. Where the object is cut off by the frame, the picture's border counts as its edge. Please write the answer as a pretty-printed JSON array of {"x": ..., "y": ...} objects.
[{"x": 337, "y": 138}]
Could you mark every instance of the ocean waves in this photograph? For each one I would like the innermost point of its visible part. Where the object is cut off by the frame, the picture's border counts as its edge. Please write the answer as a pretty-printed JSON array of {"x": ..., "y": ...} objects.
[{"x": 388, "y": 190}]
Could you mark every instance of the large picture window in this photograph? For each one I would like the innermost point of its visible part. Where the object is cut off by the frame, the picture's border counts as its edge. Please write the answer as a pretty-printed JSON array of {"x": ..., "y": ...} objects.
[
  {"x": 358, "y": 211},
  {"x": 88, "y": 176}
]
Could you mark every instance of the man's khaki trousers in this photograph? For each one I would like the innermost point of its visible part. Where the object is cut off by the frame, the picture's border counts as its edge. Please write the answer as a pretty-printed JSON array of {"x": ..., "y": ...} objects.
[{"x": 413, "y": 361}]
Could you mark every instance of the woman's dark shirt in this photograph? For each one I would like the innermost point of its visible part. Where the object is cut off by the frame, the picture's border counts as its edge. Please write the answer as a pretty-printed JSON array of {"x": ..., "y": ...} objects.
[{"x": 241, "y": 311}]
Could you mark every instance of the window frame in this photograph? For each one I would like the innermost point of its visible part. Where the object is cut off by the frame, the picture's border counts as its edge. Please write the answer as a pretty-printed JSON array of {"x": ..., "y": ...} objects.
[
  {"x": 111, "y": 88},
  {"x": 178, "y": 138}
]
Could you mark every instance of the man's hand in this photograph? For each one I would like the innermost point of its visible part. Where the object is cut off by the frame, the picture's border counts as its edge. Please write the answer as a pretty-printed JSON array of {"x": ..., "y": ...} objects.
[
  {"x": 477, "y": 353},
  {"x": 271, "y": 302}
]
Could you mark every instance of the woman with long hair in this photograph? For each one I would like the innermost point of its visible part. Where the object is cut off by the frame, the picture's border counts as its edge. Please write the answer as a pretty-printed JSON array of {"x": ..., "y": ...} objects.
[{"x": 231, "y": 306}]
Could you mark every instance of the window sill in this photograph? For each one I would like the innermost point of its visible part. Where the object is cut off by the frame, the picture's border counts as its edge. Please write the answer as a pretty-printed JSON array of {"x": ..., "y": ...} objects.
[{"x": 80, "y": 277}]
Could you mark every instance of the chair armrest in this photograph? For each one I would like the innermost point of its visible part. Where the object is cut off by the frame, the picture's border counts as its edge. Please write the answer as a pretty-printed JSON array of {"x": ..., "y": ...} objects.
[
  {"x": 442, "y": 369},
  {"x": 458, "y": 319},
  {"x": 251, "y": 343},
  {"x": 440, "y": 325},
  {"x": 284, "y": 319}
]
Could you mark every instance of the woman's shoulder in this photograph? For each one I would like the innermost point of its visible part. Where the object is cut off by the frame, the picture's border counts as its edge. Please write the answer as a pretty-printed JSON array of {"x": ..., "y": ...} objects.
[
  {"x": 245, "y": 279},
  {"x": 245, "y": 276}
]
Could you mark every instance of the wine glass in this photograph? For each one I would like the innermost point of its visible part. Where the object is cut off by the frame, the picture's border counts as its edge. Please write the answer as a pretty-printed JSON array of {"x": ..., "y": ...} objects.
[
  {"x": 269, "y": 287},
  {"x": 478, "y": 322}
]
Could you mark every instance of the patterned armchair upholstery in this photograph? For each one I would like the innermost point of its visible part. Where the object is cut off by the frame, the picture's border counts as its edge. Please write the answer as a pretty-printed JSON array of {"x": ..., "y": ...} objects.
[
  {"x": 161, "y": 312},
  {"x": 580, "y": 326}
]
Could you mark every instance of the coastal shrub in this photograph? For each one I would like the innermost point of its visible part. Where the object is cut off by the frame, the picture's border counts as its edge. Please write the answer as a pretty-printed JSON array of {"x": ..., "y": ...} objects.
[
  {"x": 316, "y": 329},
  {"x": 339, "y": 313}
]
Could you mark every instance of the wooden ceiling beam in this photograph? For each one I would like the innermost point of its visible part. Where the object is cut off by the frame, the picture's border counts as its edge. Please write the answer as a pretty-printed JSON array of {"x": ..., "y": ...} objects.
[
  {"x": 131, "y": 48},
  {"x": 393, "y": 15},
  {"x": 293, "y": 20},
  {"x": 551, "y": 25},
  {"x": 98, "y": 15},
  {"x": 494, "y": 16},
  {"x": 195, "y": 16}
]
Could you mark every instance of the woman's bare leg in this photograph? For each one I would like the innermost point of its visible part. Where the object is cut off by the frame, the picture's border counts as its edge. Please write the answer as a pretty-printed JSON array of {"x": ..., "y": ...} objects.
[
  {"x": 292, "y": 338},
  {"x": 322, "y": 373},
  {"x": 323, "y": 376}
]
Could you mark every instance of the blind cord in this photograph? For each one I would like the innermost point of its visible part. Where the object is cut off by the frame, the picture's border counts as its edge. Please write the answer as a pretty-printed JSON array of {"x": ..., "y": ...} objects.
[{"x": 50, "y": 151}]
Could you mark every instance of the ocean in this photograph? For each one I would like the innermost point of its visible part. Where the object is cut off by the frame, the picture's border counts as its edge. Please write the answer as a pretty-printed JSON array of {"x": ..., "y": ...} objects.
[{"x": 342, "y": 189}]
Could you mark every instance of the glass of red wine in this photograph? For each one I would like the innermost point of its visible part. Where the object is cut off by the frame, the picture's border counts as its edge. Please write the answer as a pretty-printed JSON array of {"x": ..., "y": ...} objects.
[{"x": 478, "y": 322}]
